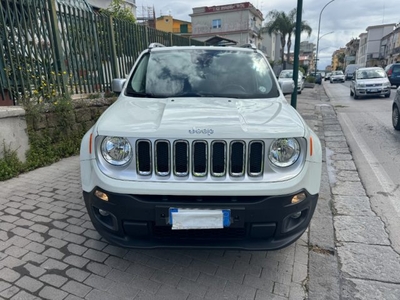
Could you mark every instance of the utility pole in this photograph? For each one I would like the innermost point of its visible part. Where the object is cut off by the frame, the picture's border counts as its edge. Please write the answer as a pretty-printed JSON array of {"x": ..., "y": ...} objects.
[{"x": 297, "y": 52}]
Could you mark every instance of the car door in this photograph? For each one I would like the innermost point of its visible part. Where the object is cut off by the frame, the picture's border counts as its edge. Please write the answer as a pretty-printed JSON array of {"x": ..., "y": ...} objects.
[{"x": 396, "y": 73}]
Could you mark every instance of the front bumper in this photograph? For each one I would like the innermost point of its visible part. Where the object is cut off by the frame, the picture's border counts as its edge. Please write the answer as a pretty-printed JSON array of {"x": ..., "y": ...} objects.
[
  {"x": 373, "y": 91},
  {"x": 257, "y": 222}
]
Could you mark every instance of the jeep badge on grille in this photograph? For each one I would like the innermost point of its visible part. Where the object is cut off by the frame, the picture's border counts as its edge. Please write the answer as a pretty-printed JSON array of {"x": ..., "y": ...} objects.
[{"x": 195, "y": 130}]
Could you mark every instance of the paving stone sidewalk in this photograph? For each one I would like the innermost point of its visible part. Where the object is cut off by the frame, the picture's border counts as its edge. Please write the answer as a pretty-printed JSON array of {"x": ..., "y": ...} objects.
[
  {"x": 49, "y": 249},
  {"x": 350, "y": 252}
]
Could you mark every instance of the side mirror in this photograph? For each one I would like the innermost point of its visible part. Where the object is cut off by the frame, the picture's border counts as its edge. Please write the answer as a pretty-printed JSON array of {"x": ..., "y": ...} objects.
[{"x": 117, "y": 85}]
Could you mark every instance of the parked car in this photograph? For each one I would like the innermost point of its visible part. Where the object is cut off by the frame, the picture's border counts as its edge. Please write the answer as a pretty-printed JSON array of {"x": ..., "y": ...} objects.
[
  {"x": 318, "y": 78},
  {"x": 396, "y": 110},
  {"x": 337, "y": 76},
  {"x": 393, "y": 73},
  {"x": 371, "y": 81},
  {"x": 287, "y": 75},
  {"x": 327, "y": 76},
  {"x": 200, "y": 150},
  {"x": 349, "y": 71}
]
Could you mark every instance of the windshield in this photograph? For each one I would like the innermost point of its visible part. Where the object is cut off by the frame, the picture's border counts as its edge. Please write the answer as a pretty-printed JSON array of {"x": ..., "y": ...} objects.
[
  {"x": 337, "y": 73},
  {"x": 372, "y": 73},
  {"x": 202, "y": 73}
]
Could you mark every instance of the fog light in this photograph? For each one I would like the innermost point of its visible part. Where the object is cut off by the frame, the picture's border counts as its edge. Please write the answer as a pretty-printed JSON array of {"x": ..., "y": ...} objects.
[
  {"x": 101, "y": 195},
  {"x": 104, "y": 213},
  {"x": 298, "y": 198},
  {"x": 296, "y": 215}
]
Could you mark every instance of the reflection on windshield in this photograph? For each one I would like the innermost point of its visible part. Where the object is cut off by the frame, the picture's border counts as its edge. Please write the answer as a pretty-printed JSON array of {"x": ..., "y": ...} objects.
[
  {"x": 369, "y": 74},
  {"x": 207, "y": 73}
]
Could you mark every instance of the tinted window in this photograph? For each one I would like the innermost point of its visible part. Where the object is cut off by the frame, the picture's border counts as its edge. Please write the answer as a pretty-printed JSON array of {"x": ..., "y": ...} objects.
[{"x": 195, "y": 72}]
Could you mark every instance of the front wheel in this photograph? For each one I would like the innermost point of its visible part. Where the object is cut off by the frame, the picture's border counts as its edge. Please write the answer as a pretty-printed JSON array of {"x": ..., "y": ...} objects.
[
  {"x": 387, "y": 95},
  {"x": 395, "y": 118},
  {"x": 355, "y": 95}
]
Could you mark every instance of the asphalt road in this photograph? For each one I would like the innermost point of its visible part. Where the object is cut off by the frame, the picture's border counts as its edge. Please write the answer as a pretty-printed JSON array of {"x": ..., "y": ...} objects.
[{"x": 375, "y": 147}]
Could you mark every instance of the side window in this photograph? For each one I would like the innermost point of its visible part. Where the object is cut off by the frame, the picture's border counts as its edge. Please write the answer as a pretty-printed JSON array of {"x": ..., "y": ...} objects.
[
  {"x": 216, "y": 23},
  {"x": 396, "y": 70}
]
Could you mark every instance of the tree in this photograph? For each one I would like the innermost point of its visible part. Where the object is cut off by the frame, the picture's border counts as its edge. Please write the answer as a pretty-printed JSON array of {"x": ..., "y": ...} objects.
[
  {"x": 116, "y": 10},
  {"x": 284, "y": 25}
]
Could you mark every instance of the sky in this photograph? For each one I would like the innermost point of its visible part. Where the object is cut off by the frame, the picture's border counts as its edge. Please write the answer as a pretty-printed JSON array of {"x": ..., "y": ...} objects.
[{"x": 346, "y": 19}]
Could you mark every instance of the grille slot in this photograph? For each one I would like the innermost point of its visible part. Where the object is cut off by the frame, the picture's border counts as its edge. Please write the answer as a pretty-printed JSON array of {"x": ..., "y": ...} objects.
[
  {"x": 218, "y": 158},
  {"x": 143, "y": 157},
  {"x": 256, "y": 158},
  {"x": 200, "y": 154},
  {"x": 181, "y": 158},
  {"x": 162, "y": 158},
  {"x": 201, "y": 158},
  {"x": 237, "y": 158}
]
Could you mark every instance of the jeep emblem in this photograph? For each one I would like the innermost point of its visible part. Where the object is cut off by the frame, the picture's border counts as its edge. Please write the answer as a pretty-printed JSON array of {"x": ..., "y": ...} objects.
[{"x": 195, "y": 130}]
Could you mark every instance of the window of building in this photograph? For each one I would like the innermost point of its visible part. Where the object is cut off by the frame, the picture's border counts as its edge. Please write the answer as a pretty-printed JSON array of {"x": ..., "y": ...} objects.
[
  {"x": 216, "y": 23},
  {"x": 184, "y": 28}
]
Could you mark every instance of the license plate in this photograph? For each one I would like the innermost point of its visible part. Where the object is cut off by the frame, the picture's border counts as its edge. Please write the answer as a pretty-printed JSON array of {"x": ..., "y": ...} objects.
[
  {"x": 184, "y": 218},
  {"x": 373, "y": 91}
]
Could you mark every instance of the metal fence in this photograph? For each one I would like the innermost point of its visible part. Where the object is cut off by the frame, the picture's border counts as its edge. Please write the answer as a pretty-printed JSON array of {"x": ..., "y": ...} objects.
[{"x": 48, "y": 48}]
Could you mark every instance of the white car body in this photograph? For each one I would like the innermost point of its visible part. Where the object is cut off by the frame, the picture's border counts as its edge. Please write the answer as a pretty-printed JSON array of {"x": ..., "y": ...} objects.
[
  {"x": 370, "y": 81},
  {"x": 337, "y": 76},
  {"x": 126, "y": 204},
  {"x": 287, "y": 76}
]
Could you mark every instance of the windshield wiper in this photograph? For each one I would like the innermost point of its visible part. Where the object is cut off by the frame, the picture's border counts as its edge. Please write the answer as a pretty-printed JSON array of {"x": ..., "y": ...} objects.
[
  {"x": 192, "y": 94},
  {"x": 142, "y": 94}
]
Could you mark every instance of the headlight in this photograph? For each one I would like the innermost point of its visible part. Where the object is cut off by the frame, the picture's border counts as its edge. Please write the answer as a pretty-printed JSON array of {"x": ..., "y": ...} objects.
[
  {"x": 284, "y": 152},
  {"x": 387, "y": 84},
  {"x": 116, "y": 150},
  {"x": 360, "y": 85}
]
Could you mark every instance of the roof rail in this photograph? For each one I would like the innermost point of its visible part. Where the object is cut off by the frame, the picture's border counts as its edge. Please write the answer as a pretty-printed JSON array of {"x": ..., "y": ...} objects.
[
  {"x": 155, "y": 45},
  {"x": 251, "y": 46}
]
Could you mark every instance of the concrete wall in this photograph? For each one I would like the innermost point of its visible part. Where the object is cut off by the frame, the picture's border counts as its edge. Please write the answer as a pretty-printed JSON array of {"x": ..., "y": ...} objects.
[
  {"x": 13, "y": 130},
  {"x": 13, "y": 124}
]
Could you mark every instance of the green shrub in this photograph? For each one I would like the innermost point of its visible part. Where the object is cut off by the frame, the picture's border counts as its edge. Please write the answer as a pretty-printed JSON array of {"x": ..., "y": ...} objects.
[{"x": 310, "y": 79}]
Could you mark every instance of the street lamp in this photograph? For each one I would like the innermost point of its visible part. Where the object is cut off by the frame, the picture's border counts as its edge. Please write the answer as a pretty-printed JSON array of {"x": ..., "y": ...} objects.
[
  {"x": 319, "y": 27},
  {"x": 325, "y": 35}
]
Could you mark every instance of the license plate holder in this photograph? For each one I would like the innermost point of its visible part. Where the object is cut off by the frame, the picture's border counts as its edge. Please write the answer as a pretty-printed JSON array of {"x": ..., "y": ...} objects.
[{"x": 185, "y": 218}]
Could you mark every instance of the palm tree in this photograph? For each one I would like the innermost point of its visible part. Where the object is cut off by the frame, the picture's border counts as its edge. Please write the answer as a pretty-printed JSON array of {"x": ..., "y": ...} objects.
[{"x": 284, "y": 25}]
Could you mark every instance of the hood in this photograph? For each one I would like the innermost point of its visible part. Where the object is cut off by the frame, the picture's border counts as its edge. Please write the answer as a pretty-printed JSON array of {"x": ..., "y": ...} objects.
[{"x": 200, "y": 118}]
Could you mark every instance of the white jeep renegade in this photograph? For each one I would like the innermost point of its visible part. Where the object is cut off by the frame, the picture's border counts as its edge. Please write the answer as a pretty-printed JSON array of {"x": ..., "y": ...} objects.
[{"x": 201, "y": 150}]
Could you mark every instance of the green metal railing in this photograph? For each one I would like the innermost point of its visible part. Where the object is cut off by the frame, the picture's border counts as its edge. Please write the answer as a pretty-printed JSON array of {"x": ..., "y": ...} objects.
[{"x": 49, "y": 48}]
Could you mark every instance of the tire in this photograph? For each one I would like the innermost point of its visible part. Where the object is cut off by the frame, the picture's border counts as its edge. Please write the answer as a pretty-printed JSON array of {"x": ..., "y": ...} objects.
[
  {"x": 396, "y": 118},
  {"x": 387, "y": 95},
  {"x": 355, "y": 96}
]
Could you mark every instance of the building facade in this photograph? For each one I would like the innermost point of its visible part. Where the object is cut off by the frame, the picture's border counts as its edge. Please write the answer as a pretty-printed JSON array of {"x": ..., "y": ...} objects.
[
  {"x": 351, "y": 51},
  {"x": 390, "y": 47},
  {"x": 370, "y": 44},
  {"x": 240, "y": 22},
  {"x": 175, "y": 26},
  {"x": 271, "y": 45},
  {"x": 338, "y": 59},
  {"x": 306, "y": 55}
]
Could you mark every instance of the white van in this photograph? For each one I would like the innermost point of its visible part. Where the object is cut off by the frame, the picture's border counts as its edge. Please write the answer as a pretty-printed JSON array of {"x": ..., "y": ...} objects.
[{"x": 350, "y": 69}]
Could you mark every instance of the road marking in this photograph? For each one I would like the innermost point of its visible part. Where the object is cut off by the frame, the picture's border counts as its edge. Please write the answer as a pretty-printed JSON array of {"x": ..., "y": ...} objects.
[{"x": 383, "y": 178}]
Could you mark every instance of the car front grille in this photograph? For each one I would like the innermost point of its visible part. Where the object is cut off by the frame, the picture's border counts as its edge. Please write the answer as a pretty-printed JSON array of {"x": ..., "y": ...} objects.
[
  {"x": 200, "y": 158},
  {"x": 373, "y": 85}
]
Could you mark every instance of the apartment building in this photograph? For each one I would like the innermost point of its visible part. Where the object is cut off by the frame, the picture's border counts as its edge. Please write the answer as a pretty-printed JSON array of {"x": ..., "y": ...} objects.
[
  {"x": 370, "y": 44},
  {"x": 175, "y": 26},
  {"x": 239, "y": 22}
]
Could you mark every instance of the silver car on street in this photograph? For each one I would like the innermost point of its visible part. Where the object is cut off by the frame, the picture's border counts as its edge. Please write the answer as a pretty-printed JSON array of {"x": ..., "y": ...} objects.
[{"x": 371, "y": 81}]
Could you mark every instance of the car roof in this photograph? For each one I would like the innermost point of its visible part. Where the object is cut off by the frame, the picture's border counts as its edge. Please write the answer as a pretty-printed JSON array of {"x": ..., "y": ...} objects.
[{"x": 369, "y": 68}]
